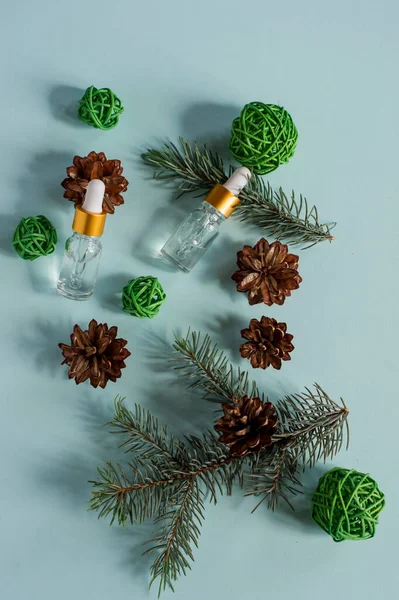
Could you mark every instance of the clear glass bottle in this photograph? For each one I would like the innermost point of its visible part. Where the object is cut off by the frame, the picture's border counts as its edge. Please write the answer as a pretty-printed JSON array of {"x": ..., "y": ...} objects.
[
  {"x": 79, "y": 267},
  {"x": 194, "y": 236},
  {"x": 81, "y": 260}
]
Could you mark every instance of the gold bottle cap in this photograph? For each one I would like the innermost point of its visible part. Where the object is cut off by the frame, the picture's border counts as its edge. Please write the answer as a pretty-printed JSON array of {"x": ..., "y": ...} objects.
[
  {"x": 90, "y": 217},
  {"x": 88, "y": 223},
  {"x": 222, "y": 199}
]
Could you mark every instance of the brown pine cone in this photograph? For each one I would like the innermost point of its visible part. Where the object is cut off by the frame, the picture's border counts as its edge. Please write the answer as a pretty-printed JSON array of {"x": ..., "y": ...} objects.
[
  {"x": 247, "y": 426},
  {"x": 95, "y": 166},
  {"x": 96, "y": 354},
  {"x": 268, "y": 272},
  {"x": 268, "y": 343}
]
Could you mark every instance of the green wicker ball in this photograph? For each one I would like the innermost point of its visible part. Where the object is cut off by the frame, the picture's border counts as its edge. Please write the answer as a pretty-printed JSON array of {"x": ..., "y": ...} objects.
[
  {"x": 34, "y": 237},
  {"x": 263, "y": 137},
  {"x": 346, "y": 504},
  {"x": 143, "y": 297},
  {"x": 100, "y": 108}
]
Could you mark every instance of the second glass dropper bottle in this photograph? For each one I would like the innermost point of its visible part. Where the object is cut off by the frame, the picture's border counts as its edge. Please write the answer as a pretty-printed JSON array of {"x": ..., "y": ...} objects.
[{"x": 194, "y": 236}]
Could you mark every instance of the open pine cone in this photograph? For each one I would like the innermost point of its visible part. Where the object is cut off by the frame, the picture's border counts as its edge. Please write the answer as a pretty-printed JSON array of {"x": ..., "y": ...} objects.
[
  {"x": 268, "y": 272},
  {"x": 268, "y": 343},
  {"x": 95, "y": 166},
  {"x": 247, "y": 426},
  {"x": 95, "y": 354}
]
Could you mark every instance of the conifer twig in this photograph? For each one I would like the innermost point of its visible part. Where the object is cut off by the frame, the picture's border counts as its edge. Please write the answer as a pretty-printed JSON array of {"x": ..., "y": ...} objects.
[
  {"x": 278, "y": 215},
  {"x": 311, "y": 423},
  {"x": 167, "y": 479}
]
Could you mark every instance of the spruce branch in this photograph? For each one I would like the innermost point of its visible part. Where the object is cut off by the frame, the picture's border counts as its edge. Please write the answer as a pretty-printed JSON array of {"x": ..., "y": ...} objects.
[
  {"x": 142, "y": 434},
  {"x": 312, "y": 424},
  {"x": 166, "y": 481},
  {"x": 274, "y": 477},
  {"x": 179, "y": 529},
  {"x": 133, "y": 498},
  {"x": 198, "y": 169},
  {"x": 200, "y": 360}
]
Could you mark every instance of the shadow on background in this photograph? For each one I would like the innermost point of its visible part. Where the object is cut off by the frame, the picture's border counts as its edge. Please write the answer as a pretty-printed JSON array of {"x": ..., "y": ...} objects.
[
  {"x": 182, "y": 409},
  {"x": 131, "y": 543},
  {"x": 109, "y": 290},
  {"x": 8, "y": 224},
  {"x": 95, "y": 413},
  {"x": 219, "y": 264},
  {"x": 210, "y": 123},
  {"x": 44, "y": 337},
  {"x": 67, "y": 477},
  {"x": 45, "y": 173},
  {"x": 301, "y": 517},
  {"x": 66, "y": 480},
  {"x": 162, "y": 223},
  {"x": 39, "y": 193},
  {"x": 225, "y": 330},
  {"x": 64, "y": 104}
]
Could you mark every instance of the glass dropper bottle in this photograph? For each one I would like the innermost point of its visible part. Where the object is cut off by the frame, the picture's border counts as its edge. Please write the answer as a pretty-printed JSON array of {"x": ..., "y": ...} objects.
[
  {"x": 79, "y": 268},
  {"x": 197, "y": 232}
]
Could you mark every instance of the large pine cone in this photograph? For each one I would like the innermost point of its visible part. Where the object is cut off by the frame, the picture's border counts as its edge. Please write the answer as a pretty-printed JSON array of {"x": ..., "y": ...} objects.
[
  {"x": 247, "y": 426},
  {"x": 96, "y": 354},
  {"x": 268, "y": 272},
  {"x": 268, "y": 343},
  {"x": 95, "y": 166}
]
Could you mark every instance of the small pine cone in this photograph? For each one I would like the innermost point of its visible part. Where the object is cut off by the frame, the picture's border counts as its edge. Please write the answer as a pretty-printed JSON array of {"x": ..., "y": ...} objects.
[
  {"x": 95, "y": 354},
  {"x": 268, "y": 343},
  {"x": 95, "y": 166},
  {"x": 247, "y": 426},
  {"x": 268, "y": 272}
]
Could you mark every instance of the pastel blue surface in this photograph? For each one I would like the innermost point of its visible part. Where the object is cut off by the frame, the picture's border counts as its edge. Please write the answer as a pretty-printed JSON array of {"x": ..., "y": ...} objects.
[{"x": 185, "y": 68}]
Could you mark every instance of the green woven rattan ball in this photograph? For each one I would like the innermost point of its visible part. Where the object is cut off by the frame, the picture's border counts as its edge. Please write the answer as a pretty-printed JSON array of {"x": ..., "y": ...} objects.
[
  {"x": 346, "y": 504},
  {"x": 100, "y": 108},
  {"x": 263, "y": 137},
  {"x": 143, "y": 297},
  {"x": 34, "y": 237}
]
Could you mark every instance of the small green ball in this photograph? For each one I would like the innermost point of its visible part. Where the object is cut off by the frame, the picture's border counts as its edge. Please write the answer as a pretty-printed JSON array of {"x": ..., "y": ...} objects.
[
  {"x": 346, "y": 504},
  {"x": 100, "y": 108},
  {"x": 34, "y": 237},
  {"x": 263, "y": 137},
  {"x": 143, "y": 297}
]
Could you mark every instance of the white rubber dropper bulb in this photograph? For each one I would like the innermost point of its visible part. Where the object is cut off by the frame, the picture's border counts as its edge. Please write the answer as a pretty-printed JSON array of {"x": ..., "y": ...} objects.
[
  {"x": 93, "y": 201},
  {"x": 239, "y": 179}
]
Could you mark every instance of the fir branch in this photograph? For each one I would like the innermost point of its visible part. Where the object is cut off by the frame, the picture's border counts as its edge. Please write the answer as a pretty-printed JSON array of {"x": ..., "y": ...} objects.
[
  {"x": 167, "y": 478},
  {"x": 166, "y": 482},
  {"x": 193, "y": 168},
  {"x": 202, "y": 361},
  {"x": 274, "y": 477},
  {"x": 211, "y": 462},
  {"x": 280, "y": 216},
  {"x": 136, "y": 498},
  {"x": 313, "y": 425},
  {"x": 143, "y": 435},
  {"x": 173, "y": 540}
]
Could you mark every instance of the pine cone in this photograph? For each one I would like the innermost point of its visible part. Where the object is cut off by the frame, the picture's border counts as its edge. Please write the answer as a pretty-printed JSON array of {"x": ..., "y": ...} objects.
[
  {"x": 247, "y": 426},
  {"x": 95, "y": 166},
  {"x": 268, "y": 272},
  {"x": 268, "y": 343},
  {"x": 96, "y": 354}
]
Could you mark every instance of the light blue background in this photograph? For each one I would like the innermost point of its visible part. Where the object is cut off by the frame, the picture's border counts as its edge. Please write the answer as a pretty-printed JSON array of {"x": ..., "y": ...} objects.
[{"x": 186, "y": 68}]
